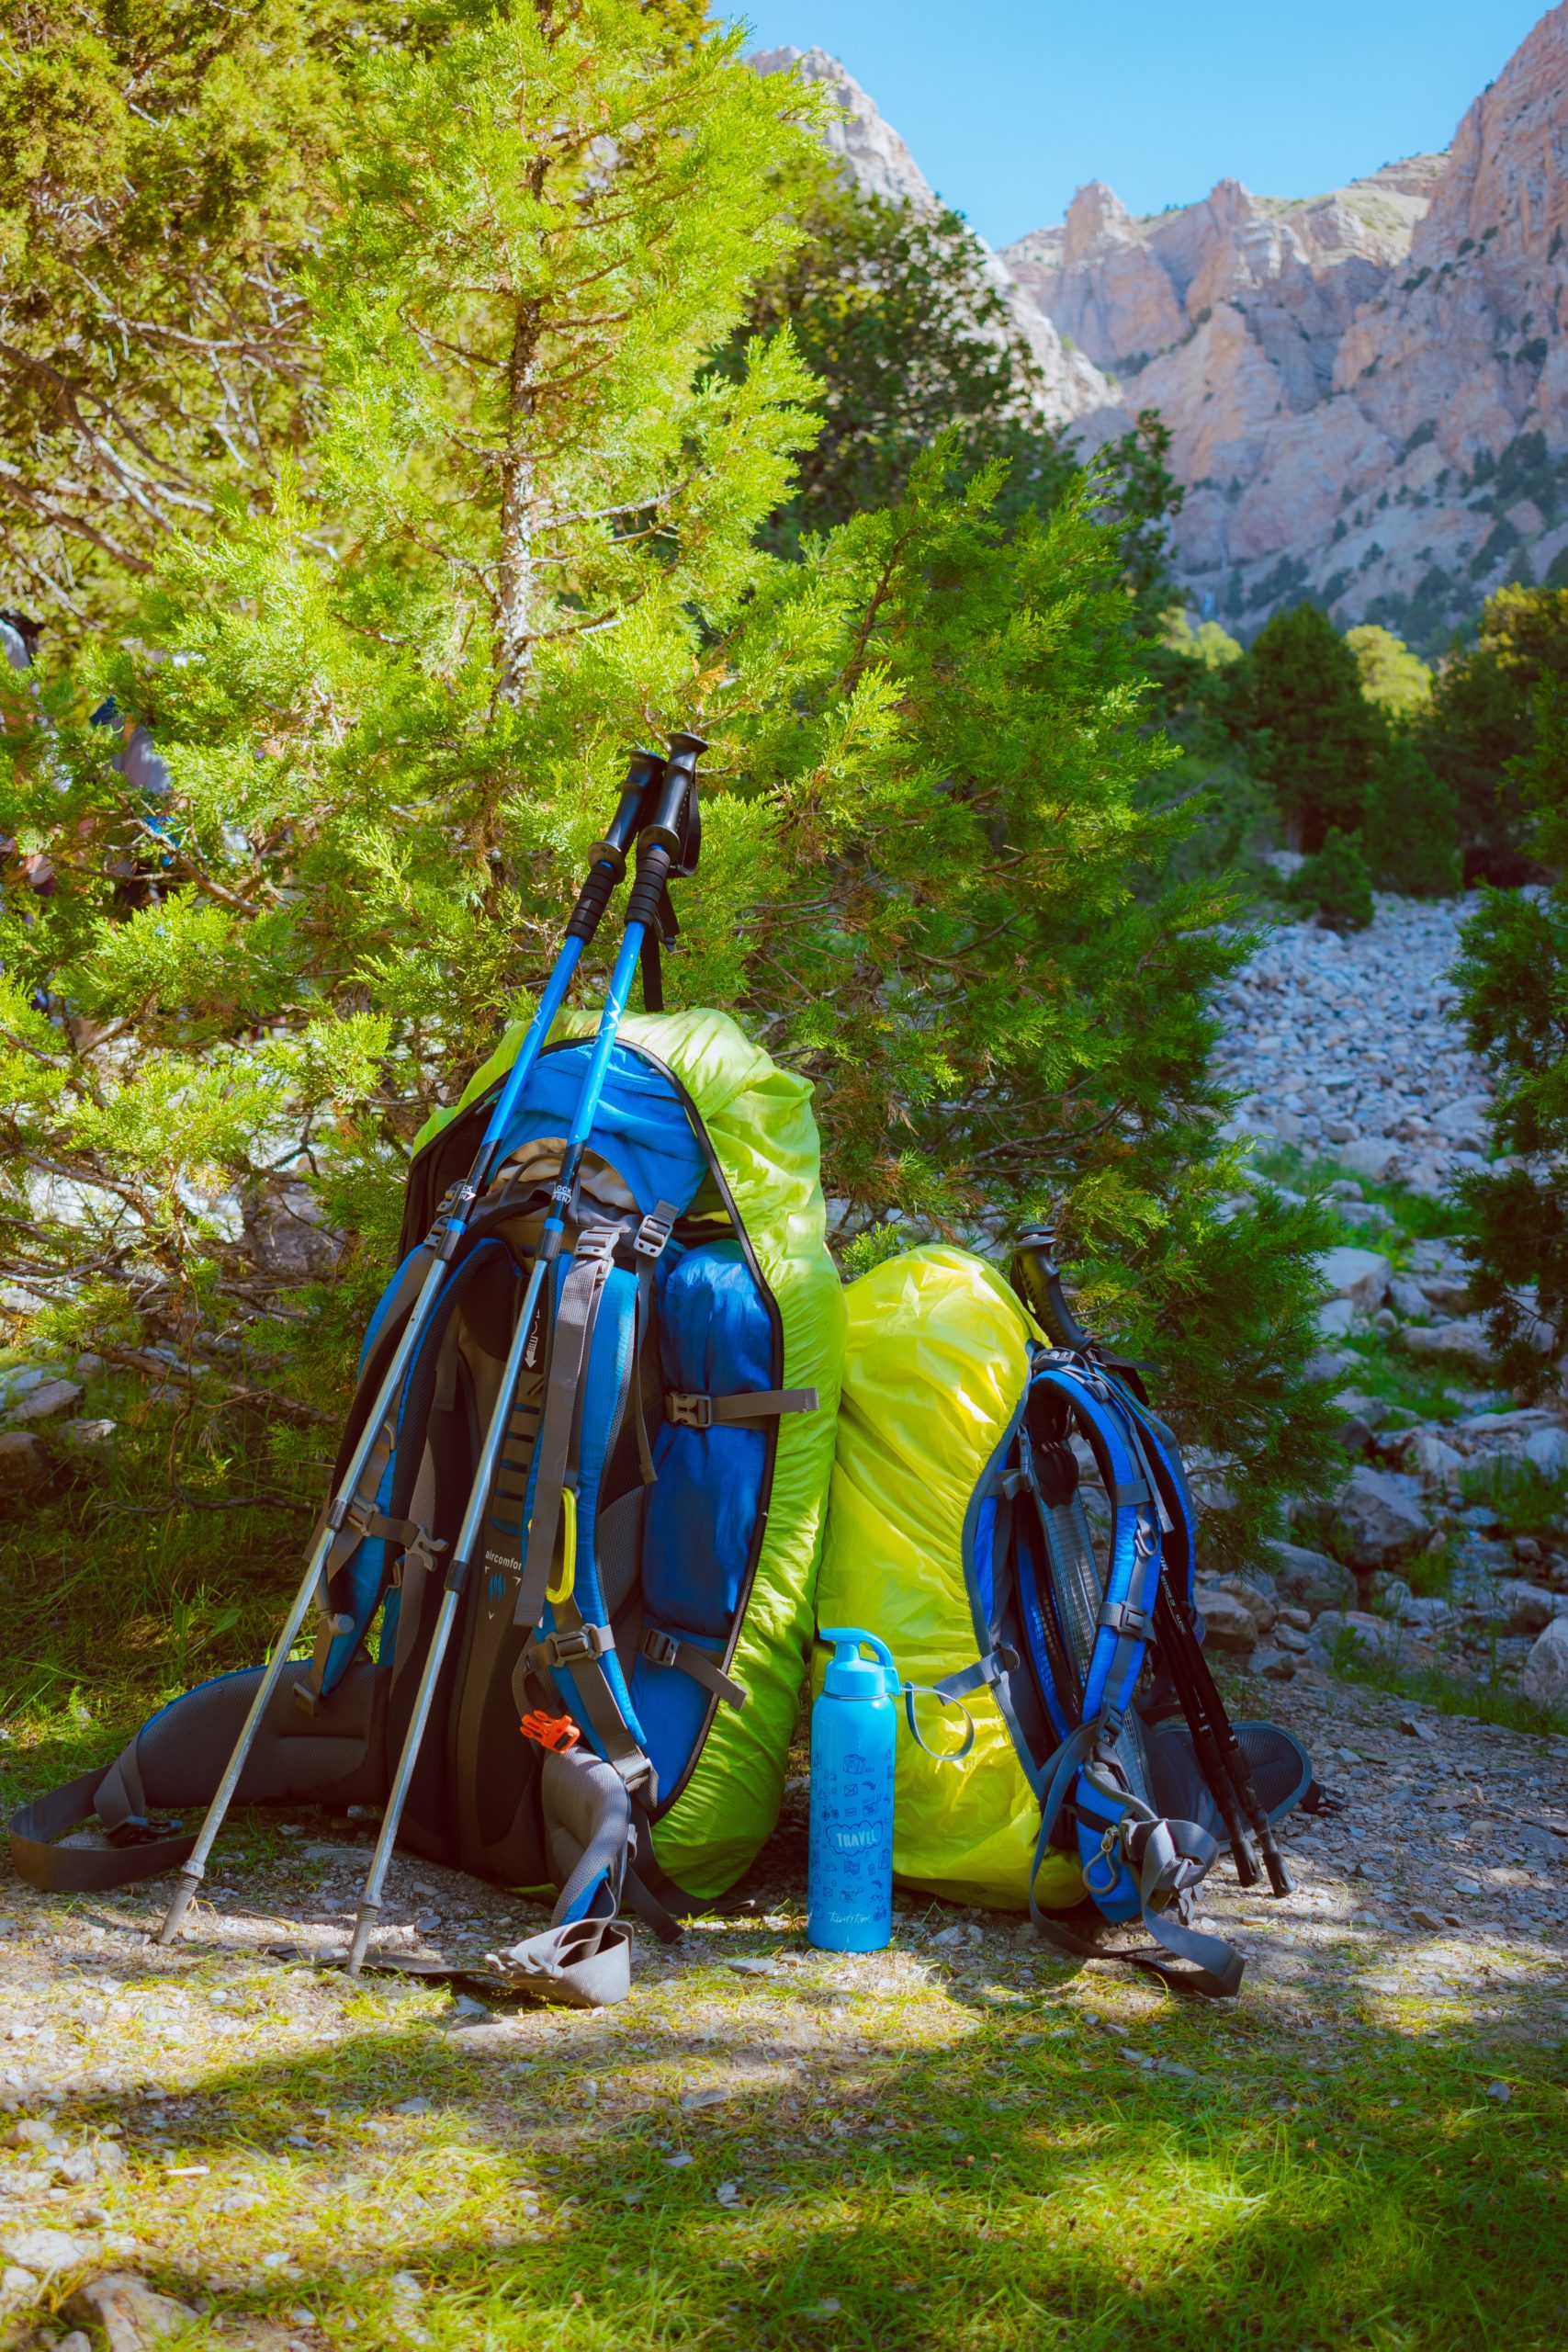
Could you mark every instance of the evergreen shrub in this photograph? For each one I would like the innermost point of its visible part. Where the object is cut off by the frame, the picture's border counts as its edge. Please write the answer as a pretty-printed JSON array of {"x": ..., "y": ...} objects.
[{"x": 395, "y": 702}]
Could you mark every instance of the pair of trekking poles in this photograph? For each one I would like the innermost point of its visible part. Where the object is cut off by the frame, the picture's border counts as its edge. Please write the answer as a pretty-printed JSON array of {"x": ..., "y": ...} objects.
[{"x": 659, "y": 812}]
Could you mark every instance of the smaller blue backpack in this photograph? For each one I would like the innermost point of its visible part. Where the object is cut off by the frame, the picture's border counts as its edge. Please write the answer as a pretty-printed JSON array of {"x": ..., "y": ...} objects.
[{"x": 1013, "y": 1521}]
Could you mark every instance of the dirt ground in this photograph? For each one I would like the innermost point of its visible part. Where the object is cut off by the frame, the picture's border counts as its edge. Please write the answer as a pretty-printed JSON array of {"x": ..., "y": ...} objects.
[{"x": 1442, "y": 1887}]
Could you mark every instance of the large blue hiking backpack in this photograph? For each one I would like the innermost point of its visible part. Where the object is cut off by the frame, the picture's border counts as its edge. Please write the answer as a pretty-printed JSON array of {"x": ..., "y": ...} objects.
[
  {"x": 662, "y": 1483},
  {"x": 1013, "y": 1521}
]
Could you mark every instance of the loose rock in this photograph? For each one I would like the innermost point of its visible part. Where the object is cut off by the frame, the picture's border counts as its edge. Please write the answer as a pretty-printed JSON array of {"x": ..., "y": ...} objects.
[
  {"x": 1547, "y": 1449},
  {"x": 1378, "y": 1517},
  {"x": 1230, "y": 1623},
  {"x": 1529, "y": 1607},
  {"x": 52, "y": 1396},
  {"x": 1309, "y": 1579},
  {"x": 130, "y": 2312},
  {"x": 22, "y": 1466},
  {"x": 1544, "y": 1682},
  {"x": 1360, "y": 1275},
  {"x": 1464, "y": 1342}
]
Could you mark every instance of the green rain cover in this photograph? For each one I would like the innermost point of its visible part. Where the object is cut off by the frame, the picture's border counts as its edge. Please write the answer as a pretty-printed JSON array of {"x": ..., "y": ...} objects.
[
  {"x": 758, "y": 1124},
  {"x": 935, "y": 1365}
]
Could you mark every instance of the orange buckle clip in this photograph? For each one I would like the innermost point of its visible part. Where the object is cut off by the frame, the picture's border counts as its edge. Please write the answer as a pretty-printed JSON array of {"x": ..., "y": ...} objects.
[{"x": 549, "y": 1731}]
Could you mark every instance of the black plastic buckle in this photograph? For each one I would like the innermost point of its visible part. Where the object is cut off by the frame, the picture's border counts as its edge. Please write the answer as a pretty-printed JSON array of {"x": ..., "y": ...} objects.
[
  {"x": 584, "y": 1645},
  {"x": 663, "y": 1649},
  {"x": 137, "y": 1831},
  {"x": 1120, "y": 1617},
  {"x": 689, "y": 1410}
]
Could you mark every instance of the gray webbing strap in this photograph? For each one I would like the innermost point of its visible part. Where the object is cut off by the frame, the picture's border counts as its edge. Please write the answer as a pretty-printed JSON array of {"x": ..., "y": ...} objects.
[
  {"x": 582, "y": 1959},
  {"x": 1170, "y": 1855},
  {"x": 944, "y": 1698},
  {"x": 579, "y": 1648},
  {"x": 89, "y": 1870},
  {"x": 413, "y": 1574},
  {"x": 692, "y": 1409},
  {"x": 648, "y": 1248},
  {"x": 664, "y": 1649},
  {"x": 579, "y": 1297},
  {"x": 985, "y": 1672}
]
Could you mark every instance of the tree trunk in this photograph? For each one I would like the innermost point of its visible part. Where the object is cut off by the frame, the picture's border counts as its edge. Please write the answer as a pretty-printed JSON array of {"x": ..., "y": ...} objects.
[{"x": 519, "y": 515}]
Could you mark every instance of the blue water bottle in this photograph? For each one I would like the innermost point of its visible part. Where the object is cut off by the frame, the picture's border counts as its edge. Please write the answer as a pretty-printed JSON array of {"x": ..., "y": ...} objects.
[{"x": 853, "y": 1728}]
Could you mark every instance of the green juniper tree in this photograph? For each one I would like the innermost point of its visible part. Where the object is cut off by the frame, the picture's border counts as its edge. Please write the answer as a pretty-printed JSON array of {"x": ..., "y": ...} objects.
[
  {"x": 1316, "y": 739},
  {"x": 396, "y": 701},
  {"x": 898, "y": 310},
  {"x": 162, "y": 173},
  {"x": 1481, "y": 728},
  {"x": 402, "y": 691},
  {"x": 909, "y": 335},
  {"x": 1002, "y": 1024},
  {"x": 1514, "y": 977}
]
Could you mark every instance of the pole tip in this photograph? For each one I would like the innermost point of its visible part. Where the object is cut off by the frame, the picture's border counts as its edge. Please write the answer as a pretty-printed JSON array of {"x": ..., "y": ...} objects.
[
  {"x": 179, "y": 1903},
  {"x": 359, "y": 1942}
]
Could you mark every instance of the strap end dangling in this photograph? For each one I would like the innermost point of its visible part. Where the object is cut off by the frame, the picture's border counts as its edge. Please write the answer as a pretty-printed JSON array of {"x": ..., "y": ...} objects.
[{"x": 913, "y": 1690}]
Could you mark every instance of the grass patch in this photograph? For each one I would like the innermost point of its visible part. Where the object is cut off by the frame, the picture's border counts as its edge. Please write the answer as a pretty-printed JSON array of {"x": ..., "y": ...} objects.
[
  {"x": 1522, "y": 1497},
  {"x": 1412, "y": 1383},
  {"x": 959, "y": 2155},
  {"x": 116, "y": 1593},
  {"x": 1430, "y": 1575},
  {"x": 1415, "y": 1216},
  {"x": 1487, "y": 1696}
]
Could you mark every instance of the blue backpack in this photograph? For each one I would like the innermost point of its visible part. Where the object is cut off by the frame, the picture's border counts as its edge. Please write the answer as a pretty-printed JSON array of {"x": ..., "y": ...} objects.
[
  {"x": 1010, "y": 1517},
  {"x": 663, "y": 1483}
]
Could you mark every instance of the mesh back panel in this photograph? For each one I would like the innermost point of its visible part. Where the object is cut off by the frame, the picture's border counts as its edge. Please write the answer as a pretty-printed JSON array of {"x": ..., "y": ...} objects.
[
  {"x": 1076, "y": 1578},
  {"x": 182, "y": 1752},
  {"x": 1133, "y": 1757}
]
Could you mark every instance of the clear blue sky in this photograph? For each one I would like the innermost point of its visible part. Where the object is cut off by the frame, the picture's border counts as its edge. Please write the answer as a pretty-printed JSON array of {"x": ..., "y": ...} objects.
[{"x": 1011, "y": 104}]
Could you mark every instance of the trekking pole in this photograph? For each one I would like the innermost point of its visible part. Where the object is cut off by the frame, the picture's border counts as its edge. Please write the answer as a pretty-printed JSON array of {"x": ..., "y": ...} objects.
[
  {"x": 1205, "y": 1745},
  {"x": 660, "y": 840},
  {"x": 1176, "y": 1635},
  {"x": 609, "y": 864}
]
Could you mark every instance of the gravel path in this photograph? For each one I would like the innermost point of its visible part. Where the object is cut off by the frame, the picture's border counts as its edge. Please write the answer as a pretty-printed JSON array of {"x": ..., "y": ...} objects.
[
  {"x": 1449, "y": 1859},
  {"x": 1347, "y": 1047},
  {"x": 275, "y": 2147}
]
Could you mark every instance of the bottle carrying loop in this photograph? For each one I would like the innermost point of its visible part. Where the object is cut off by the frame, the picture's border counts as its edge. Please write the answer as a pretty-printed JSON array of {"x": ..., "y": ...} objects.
[{"x": 913, "y": 1690}]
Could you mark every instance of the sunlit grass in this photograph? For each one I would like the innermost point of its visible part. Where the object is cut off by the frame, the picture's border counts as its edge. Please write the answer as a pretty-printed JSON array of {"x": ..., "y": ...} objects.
[{"x": 979, "y": 2154}]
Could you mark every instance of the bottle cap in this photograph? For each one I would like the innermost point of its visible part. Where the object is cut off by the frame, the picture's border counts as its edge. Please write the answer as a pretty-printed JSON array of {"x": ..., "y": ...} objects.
[{"x": 849, "y": 1675}]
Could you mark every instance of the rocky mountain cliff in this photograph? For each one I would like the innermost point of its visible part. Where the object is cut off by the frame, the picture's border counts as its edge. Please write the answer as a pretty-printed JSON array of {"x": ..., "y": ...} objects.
[
  {"x": 1367, "y": 391},
  {"x": 875, "y": 155}
]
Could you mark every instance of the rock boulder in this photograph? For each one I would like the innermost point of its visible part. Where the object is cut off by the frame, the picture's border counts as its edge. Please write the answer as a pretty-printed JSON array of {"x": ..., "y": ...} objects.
[
  {"x": 1529, "y": 1607},
  {"x": 1547, "y": 1449},
  {"x": 1431, "y": 1459},
  {"x": 1360, "y": 1275},
  {"x": 1464, "y": 1341},
  {"x": 1544, "y": 1682},
  {"x": 1230, "y": 1623},
  {"x": 1379, "y": 1519},
  {"x": 1311, "y": 1580}
]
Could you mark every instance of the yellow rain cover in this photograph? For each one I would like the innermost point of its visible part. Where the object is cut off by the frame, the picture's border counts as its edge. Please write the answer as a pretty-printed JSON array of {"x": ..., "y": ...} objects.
[
  {"x": 935, "y": 1365},
  {"x": 758, "y": 1122}
]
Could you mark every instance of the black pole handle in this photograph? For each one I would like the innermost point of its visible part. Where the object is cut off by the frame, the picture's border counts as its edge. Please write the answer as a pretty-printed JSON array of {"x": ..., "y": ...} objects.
[
  {"x": 607, "y": 858},
  {"x": 1037, "y": 1279},
  {"x": 1176, "y": 1633},
  {"x": 1175, "y": 1639},
  {"x": 669, "y": 841}
]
